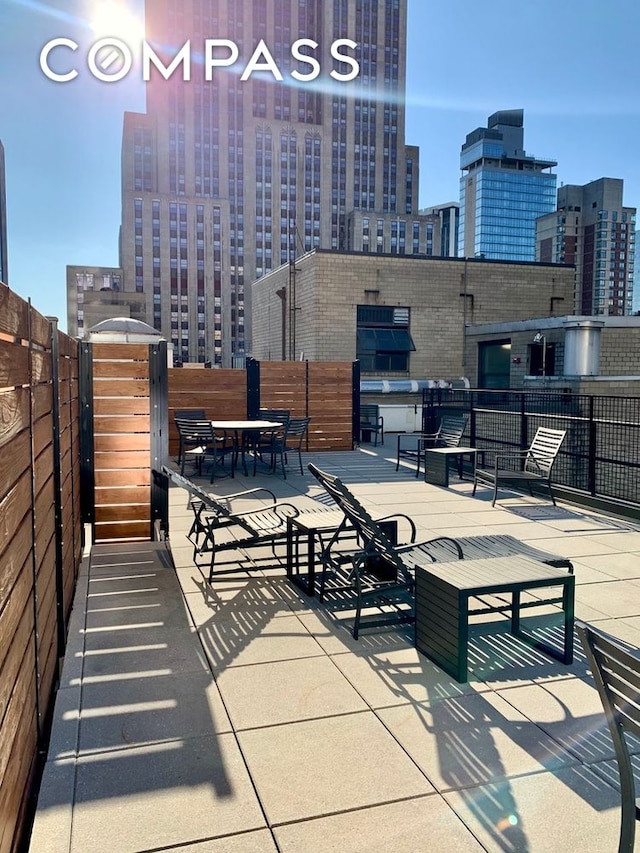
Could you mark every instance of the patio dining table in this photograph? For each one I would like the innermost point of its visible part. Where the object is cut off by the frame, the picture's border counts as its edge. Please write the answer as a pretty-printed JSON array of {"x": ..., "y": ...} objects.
[{"x": 240, "y": 429}]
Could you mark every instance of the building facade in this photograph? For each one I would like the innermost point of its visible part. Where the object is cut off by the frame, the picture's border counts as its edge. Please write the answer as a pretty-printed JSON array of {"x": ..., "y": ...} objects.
[
  {"x": 4, "y": 269},
  {"x": 226, "y": 179},
  {"x": 401, "y": 317},
  {"x": 592, "y": 229},
  {"x": 447, "y": 222},
  {"x": 503, "y": 190},
  {"x": 95, "y": 294},
  {"x": 587, "y": 355}
]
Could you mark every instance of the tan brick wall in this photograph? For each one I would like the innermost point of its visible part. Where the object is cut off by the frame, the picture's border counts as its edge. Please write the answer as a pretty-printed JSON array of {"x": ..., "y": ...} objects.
[
  {"x": 620, "y": 352},
  {"x": 330, "y": 285}
]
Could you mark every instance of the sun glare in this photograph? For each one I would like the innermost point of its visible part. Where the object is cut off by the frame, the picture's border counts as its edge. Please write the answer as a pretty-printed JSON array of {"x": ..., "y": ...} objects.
[{"x": 115, "y": 18}]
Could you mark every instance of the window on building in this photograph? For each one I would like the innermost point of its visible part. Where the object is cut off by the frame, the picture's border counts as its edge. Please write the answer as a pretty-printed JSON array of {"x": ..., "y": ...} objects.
[
  {"x": 542, "y": 359},
  {"x": 494, "y": 364},
  {"x": 383, "y": 338}
]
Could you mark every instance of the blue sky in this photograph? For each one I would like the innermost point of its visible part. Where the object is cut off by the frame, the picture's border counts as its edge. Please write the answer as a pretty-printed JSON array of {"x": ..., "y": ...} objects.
[{"x": 571, "y": 65}]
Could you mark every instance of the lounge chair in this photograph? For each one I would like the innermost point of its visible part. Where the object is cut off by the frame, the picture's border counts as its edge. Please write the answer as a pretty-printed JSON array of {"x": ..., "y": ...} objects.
[
  {"x": 213, "y": 514},
  {"x": 375, "y": 545}
]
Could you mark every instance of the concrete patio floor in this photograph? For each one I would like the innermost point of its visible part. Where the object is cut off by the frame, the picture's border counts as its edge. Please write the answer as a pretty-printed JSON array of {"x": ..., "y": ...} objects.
[{"x": 242, "y": 717}]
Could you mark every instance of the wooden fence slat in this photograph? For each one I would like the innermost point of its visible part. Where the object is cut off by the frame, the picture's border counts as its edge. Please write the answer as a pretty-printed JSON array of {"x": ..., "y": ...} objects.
[
  {"x": 118, "y": 388},
  {"x": 14, "y": 364},
  {"x": 13, "y": 313},
  {"x": 105, "y": 424},
  {"x": 126, "y": 459},
  {"x": 125, "y": 495},
  {"x": 122, "y": 530},
  {"x": 117, "y": 443},
  {"x": 121, "y": 370},
  {"x": 115, "y": 351},
  {"x": 123, "y": 477}
]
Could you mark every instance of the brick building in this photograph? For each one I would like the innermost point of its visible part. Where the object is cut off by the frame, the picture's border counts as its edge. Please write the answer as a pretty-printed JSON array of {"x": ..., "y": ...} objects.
[
  {"x": 585, "y": 354},
  {"x": 401, "y": 316}
]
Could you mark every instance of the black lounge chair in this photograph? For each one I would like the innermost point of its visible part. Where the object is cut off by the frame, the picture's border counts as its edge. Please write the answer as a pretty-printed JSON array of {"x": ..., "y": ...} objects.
[
  {"x": 616, "y": 671},
  {"x": 248, "y": 529},
  {"x": 395, "y": 592}
]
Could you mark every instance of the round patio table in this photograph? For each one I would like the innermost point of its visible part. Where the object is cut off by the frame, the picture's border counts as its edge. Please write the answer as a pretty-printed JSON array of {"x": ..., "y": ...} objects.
[{"x": 239, "y": 428}]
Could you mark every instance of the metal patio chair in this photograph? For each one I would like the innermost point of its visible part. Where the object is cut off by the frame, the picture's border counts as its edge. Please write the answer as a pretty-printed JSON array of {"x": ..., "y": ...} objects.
[
  {"x": 262, "y": 444},
  {"x": 200, "y": 443},
  {"x": 353, "y": 567},
  {"x": 616, "y": 671},
  {"x": 212, "y": 514},
  {"x": 186, "y": 415},
  {"x": 371, "y": 422},
  {"x": 289, "y": 442},
  {"x": 529, "y": 466},
  {"x": 449, "y": 434}
]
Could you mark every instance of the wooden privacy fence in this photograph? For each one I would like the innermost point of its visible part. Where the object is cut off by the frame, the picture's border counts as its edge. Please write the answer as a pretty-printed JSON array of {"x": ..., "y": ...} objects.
[
  {"x": 320, "y": 390},
  {"x": 221, "y": 393},
  {"x": 40, "y": 539},
  {"x": 124, "y": 412}
]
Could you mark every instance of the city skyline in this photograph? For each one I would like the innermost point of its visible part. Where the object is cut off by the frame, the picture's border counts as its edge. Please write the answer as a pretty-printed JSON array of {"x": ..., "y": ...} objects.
[{"x": 62, "y": 141}]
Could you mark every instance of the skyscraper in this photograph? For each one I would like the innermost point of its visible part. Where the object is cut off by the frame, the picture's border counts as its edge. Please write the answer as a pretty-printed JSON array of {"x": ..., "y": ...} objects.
[
  {"x": 592, "y": 229},
  {"x": 227, "y": 179},
  {"x": 502, "y": 191},
  {"x": 4, "y": 272}
]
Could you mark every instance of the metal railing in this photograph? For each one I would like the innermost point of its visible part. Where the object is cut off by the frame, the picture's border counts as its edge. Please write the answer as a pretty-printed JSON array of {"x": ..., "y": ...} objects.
[{"x": 600, "y": 456}]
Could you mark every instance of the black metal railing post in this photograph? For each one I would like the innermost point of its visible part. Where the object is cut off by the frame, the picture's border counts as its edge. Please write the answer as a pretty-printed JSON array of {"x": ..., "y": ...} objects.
[
  {"x": 253, "y": 387},
  {"x": 524, "y": 425},
  {"x": 159, "y": 439},
  {"x": 591, "y": 450},
  {"x": 472, "y": 420},
  {"x": 355, "y": 403},
  {"x": 57, "y": 487},
  {"x": 87, "y": 461}
]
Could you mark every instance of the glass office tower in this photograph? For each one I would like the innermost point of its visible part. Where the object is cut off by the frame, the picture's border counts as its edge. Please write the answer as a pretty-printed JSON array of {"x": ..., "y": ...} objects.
[
  {"x": 227, "y": 179},
  {"x": 503, "y": 191}
]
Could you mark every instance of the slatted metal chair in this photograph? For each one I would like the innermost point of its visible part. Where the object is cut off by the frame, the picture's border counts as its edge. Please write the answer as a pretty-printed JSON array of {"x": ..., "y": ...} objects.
[
  {"x": 289, "y": 442},
  {"x": 263, "y": 443},
  {"x": 248, "y": 529},
  {"x": 616, "y": 671},
  {"x": 374, "y": 545},
  {"x": 412, "y": 446},
  {"x": 201, "y": 444},
  {"x": 371, "y": 422},
  {"x": 186, "y": 415},
  {"x": 533, "y": 465}
]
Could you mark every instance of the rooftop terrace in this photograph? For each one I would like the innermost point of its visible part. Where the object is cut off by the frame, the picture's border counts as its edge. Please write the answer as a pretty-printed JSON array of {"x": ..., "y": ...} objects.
[{"x": 243, "y": 716}]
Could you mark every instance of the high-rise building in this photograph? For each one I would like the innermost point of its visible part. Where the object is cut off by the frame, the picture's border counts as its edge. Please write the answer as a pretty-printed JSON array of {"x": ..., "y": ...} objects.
[
  {"x": 636, "y": 282},
  {"x": 4, "y": 272},
  {"x": 95, "y": 294},
  {"x": 446, "y": 220},
  {"x": 227, "y": 179},
  {"x": 503, "y": 190},
  {"x": 592, "y": 229}
]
